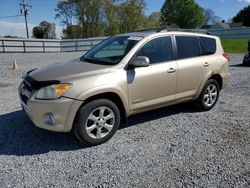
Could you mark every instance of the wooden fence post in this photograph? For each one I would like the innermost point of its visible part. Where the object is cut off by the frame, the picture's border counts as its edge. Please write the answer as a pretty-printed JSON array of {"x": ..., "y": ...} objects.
[
  {"x": 76, "y": 46},
  {"x": 3, "y": 46},
  {"x": 92, "y": 43},
  {"x": 24, "y": 47},
  {"x": 43, "y": 46}
]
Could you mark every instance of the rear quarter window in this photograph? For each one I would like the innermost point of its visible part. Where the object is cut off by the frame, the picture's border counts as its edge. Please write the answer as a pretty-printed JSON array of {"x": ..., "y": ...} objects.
[{"x": 208, "y": 45}]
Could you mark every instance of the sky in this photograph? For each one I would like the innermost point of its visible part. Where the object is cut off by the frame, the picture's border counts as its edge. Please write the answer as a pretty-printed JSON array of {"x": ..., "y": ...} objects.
[{"x": 45, "y": 10}]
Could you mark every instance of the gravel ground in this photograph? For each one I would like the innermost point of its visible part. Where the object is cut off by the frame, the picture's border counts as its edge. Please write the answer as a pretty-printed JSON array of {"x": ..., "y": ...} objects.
[{"x": 170, "y": 147}]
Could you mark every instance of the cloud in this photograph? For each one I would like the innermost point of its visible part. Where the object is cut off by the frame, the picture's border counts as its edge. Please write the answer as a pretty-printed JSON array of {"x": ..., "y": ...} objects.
[{"x": 18, "y": 29}]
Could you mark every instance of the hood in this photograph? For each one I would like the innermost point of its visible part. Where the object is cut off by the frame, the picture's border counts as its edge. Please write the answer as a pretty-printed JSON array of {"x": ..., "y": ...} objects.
[{"x": 66, "y": 70}]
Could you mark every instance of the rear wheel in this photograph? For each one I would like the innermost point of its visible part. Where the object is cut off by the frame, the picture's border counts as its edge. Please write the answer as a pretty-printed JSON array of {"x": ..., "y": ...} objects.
[
  {"x": 97, "y": 122},
  {"x": 209, "y": 95}
]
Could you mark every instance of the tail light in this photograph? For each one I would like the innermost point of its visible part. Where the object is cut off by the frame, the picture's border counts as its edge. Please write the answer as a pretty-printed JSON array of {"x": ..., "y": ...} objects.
[{"x": 226, "y": 55}]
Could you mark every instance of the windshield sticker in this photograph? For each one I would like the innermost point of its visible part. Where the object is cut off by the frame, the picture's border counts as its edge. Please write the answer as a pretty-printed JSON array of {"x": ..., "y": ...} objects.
[{"x": 135, "y": 38}]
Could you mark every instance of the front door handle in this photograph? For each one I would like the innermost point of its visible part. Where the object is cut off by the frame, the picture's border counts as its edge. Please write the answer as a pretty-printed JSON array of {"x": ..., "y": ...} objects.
[
  {"x": 171, "y": 70},
  {"x": 206, "y": 64}
]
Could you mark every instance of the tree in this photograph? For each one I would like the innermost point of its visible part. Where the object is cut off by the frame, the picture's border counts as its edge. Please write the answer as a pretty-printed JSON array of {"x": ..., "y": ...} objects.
[
  {"x": 49, "y": 29},
  {"x": 184, "y": 13},
  {"x": 210, "y": 18},
  {"x": 66, "y": 11},
  {"x": 38, "y": 32},
  {"x": 89, "y": 15},
  {"x": 45, "y": 30},
  {"x": 111, "y": 20},
  {"x": 132, "y": 15},
  {"x": 243, "y": 16},
  {"x": 153, "y": 20},
  {"x": 101, "y": 17},
  {"x": 72, "y": 32}
]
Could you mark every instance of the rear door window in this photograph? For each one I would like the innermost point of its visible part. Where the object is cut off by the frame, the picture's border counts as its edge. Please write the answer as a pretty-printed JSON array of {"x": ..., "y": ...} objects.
[
  {"x": 188, "y": 47},
  {"x": 208, "y": 45}
]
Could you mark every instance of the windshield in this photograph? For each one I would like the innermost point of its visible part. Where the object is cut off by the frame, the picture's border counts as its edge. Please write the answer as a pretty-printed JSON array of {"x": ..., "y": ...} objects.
[{"x": 111, "y": 51}]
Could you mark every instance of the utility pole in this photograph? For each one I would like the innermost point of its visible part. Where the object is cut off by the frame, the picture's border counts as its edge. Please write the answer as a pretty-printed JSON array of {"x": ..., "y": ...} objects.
[{"x": 24, "y": 9}]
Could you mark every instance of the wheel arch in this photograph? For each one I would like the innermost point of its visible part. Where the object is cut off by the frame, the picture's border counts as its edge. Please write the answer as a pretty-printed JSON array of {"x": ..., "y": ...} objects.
[
  {"x": 111, "y": 95},
  {"x": 218, "y": 78},
  {"x": 210, "y": 75}
]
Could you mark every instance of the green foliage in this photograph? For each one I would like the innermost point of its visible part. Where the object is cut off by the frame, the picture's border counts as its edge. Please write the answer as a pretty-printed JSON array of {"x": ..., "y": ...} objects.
[
  {"x": 235, "y": 45},
  {"x": 243, "y": 16},
  {"x": 100, "y": 17},
  {"x": 66, "y": 12},
  {"x": 153, "y": 20},
  {"x": 49, "y": 29},
  {"x": 72, "y": 32},
  {"x": 111, "y": 18},
  {"x": 183, "y": 13},
  {"x": 45, "y": 30},
  {"x": 38, "y": 32},
  {"x": 132, "y": 15}
]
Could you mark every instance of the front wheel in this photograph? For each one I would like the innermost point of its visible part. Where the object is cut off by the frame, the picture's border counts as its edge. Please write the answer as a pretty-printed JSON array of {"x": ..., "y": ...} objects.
[
  {"x": 209, "y": 95},
  {"x": 97, "y": 122}
]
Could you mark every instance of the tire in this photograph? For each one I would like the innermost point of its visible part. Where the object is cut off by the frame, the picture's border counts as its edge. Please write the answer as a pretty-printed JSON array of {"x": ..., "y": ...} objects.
[
  {"x": 209, "y": 96},
  {"x": 97, "y": 122}
]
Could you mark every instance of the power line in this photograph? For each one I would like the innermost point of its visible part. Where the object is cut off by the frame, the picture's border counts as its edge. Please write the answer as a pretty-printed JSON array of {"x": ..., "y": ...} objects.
[{"x": 4, "y": 17}]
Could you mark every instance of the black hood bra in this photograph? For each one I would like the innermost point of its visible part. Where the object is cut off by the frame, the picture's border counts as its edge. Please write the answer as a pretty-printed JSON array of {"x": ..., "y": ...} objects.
[{"x": 34, "y": 84}]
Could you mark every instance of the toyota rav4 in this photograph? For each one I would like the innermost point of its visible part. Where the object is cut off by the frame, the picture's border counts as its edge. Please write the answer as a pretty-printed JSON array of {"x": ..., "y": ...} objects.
[{"x": 124, "y": 75}]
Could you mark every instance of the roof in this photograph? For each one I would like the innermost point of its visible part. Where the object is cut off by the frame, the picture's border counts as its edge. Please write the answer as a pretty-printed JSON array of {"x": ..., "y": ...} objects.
[{"x": 138, "y": 33}]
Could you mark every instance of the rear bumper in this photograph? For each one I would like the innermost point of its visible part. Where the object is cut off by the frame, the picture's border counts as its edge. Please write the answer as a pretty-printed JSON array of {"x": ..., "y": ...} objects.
[{"x": 54, "y": 115}]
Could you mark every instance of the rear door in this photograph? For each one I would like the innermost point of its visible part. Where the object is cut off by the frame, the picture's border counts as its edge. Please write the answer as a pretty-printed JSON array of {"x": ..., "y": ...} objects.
[{"x": 192, "y": 65}]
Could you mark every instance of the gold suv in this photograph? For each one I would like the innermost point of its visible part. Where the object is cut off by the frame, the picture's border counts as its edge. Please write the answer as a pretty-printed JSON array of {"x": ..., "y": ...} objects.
[{"x": 124, "y": 75}]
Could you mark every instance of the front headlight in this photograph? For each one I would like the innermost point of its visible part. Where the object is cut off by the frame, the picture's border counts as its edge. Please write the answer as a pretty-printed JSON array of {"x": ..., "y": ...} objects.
[{"x": 53, "y": 91}]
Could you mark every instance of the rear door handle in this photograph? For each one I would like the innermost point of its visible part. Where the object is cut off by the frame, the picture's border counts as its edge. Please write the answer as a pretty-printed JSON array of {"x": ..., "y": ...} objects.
[
  {"x": 171, "y": 70},
  {"x": 206, "y": 64}
]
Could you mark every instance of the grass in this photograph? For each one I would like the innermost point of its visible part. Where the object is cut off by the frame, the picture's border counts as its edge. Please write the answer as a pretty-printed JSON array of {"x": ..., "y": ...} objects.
[{"x": 235, "y": 45}]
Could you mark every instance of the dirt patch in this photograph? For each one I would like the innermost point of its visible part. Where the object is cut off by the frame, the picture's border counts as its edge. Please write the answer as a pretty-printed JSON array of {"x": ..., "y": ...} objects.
[{"x": 237, "y": 136}]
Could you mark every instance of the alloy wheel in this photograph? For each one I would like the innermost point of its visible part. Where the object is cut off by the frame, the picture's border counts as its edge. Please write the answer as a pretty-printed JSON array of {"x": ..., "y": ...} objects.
[
  {"x": 210, "y": 95},
  {"x": 100, "y": 122}
]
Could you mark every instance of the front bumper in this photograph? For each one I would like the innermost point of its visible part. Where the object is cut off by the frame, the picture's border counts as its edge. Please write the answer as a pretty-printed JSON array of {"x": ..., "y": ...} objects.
[{"x": 54, "y": 115}]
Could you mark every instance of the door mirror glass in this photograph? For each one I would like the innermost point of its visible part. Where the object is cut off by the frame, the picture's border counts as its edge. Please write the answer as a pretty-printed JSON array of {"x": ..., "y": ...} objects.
[{"x": 141, "y": 61}]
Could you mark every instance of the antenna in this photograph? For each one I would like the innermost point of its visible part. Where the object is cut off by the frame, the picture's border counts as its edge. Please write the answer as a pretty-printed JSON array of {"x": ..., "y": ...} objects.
[{"x": 24, "y": 9}]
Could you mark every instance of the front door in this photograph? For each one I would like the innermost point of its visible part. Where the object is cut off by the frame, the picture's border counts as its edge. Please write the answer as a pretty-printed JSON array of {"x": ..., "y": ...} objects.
[{"x": 156, "y": 84}]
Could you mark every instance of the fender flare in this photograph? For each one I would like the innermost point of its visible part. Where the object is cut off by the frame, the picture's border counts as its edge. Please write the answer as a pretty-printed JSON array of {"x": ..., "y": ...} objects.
[{"x": 206, "y": 78}]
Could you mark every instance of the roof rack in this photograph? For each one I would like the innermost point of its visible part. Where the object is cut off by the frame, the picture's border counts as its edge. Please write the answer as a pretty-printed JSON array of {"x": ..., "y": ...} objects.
[
  {"x": 204, "y": 31},
  {"x": 158, "y": 30},
  {"x": 144, "y": 30}
]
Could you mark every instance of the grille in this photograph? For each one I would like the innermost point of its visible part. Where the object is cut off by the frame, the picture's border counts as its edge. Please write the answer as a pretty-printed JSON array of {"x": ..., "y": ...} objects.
[
  {"x": 24, "y": 98},
  {"x": 25, "y": 92},
  {"x": 27, "y": 87}
]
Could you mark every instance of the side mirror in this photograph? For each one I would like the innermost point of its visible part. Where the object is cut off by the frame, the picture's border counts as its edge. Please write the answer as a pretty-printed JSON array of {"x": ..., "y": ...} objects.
[{"x": 141, "y": 61}]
